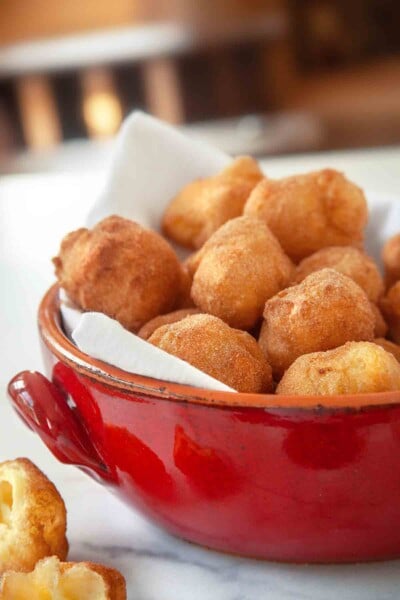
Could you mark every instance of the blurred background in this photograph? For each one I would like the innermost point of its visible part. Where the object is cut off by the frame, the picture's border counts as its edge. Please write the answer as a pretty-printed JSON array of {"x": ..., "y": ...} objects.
[{"x": 252, "y": 76}]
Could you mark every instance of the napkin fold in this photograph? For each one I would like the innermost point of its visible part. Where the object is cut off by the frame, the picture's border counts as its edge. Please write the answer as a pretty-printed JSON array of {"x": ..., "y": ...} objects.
[
  {"x": 70, "y": 313},
  {"x": 151, "y": 164}
]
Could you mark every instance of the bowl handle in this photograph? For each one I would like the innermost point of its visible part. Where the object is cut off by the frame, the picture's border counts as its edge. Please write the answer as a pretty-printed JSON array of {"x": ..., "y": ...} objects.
[{"x": 45, "y": 410}]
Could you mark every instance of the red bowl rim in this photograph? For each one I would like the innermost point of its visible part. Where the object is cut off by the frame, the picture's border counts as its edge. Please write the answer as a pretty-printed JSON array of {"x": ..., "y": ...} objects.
[{"x": 61, "y": 346}]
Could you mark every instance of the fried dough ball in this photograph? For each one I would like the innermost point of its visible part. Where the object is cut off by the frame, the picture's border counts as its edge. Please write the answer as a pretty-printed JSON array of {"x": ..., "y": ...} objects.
[
  {"x": 240, "y": 267},
  {"x": 64, "y": 581},
  {"x": 390, "y": 306},
  {"x": 322, "y": 312},
  {"x": 355, "y": 368},
  {"x": 381, "y": 327},
  {"x": 172, "y": 317},
  {"x": 391, "y": 260},
  {"x": 206, "y": 204},
  {"x": 347, "y": 260},
  {"x": 121, "y": 269},
  {"x": 309, "y": 212},
  {"x": 32, "y": 517},
  {"x": 184, "y": 299},
  {"x": 389, "y": 347},
  {"x": 209, "y": 344},
  {"x": 192, "y": 262}
]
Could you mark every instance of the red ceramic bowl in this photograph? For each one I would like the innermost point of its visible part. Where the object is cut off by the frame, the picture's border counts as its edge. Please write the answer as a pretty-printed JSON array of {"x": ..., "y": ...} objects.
[{"x": 282, "y": 478}]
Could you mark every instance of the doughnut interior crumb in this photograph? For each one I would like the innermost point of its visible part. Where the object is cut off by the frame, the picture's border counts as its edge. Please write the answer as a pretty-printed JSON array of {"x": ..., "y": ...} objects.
[
  {"x": 55, "y": 580},
  {"x": 32, "y": 517}
]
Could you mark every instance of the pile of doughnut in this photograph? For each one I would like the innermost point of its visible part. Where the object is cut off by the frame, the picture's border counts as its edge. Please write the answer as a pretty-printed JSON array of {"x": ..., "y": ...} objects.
[
  {"x": 34, "y": 546},
  {"x": 277, "y": 295}
]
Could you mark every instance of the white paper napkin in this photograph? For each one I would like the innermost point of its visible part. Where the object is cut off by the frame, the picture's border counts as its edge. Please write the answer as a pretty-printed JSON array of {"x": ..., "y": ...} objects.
[
  {"x": 152, "y": 162},
  {"x": 70, "y": 314}
]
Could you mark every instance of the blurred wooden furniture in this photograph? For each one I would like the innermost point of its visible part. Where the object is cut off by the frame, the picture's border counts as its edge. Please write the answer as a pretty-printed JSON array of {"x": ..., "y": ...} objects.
[
  {"x": 38, "y": 19},
  {"x": 181, "y": 72},
  {"x": 358, "y": 106}
]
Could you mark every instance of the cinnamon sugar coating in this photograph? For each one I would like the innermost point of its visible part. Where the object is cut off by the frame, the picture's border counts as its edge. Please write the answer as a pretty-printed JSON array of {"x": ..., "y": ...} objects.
[
  {"x": 239, "y": 268},
  {"x": 324, "y": 311},
  {"x": 227, "y": 354},
  {"x": 311, "y": 211},
  {"x": 346, "y": 260},
  {"x": 354, "y": 368},
  {"x": 173, "y": 317},
  {"x": 121, "y": 269},
  {"x": 204, "y": 205}
]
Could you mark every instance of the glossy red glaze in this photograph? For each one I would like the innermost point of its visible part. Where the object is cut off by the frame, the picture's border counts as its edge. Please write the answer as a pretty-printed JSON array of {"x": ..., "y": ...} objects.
[{"x": 291, "y": 483}]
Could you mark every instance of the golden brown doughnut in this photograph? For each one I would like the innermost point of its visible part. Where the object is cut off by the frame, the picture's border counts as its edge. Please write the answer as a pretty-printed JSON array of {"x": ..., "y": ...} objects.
[
  {"x": 390, "y": 306},
  {"x": 227, "y": 354},
  {"x": 121, "y": 269},
  {"x": 391, "y": 260},
  {"x": 54, "y": 579},
  {"x": 173, "y": 317},
  {"x": 322, "y": 312},
  {"x": 311, "y": 211},
  {"x": 389, "y": 347},
  {"x": 204, "y": 205},
  {"x": 240, "y": 267},
  {"x": 355, "y": 368},
  {"x": 346, "y": 260},
  {"x": 33, "y": 518}
]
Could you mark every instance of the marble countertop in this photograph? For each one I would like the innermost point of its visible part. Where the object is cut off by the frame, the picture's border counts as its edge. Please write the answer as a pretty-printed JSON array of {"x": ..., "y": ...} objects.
[{"x": 35, "y": 212}]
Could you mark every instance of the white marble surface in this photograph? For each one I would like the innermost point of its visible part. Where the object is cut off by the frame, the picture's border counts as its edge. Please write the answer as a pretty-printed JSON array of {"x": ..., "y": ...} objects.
[{"x": 35, "y": 211}]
